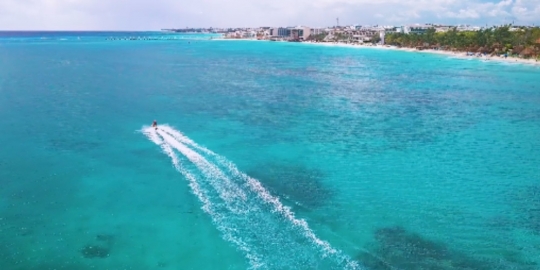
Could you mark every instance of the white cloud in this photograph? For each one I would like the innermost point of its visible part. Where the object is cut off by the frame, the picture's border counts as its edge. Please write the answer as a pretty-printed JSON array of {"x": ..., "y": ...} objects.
[
  {"x": 526, "y": 11},
  {"x": 156, "y": 14},
  {"x": 463, "y": 14}
]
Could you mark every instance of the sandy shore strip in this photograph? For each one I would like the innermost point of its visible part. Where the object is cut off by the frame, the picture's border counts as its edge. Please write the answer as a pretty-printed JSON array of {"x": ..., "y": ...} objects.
[
  {"x": 463, "y": 55},
  {"x": 514, "y": 60}
]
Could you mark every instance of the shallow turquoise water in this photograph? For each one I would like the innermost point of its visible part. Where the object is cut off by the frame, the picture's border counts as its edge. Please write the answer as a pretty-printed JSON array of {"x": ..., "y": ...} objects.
[{"x": 396, "y": 160}]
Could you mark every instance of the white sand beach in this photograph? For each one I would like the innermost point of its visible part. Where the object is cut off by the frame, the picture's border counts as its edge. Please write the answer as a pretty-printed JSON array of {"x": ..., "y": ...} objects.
[{"x": 516, "y": 60}]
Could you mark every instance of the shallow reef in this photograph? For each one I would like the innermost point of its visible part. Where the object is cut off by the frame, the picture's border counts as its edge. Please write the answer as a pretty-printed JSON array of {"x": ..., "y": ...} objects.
[
  {"x": 525, "y": 201},
  {"x": 68, "y": 144},
  {"x": 95, "y": 251},
  {"x": 99, "y": 248},
  {"x": 397, "y": 248},
  {"x": 529, "y": 205},
  {"x": 294, "y": 182},
  {"x": 57, "y": 265}
]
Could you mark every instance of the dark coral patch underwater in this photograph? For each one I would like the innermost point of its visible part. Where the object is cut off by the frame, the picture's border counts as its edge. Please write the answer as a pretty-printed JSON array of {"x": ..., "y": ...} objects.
[
  {"x": 294, "y": 182},
  {"x": 94, "y": 251},
  {"x": 527, "y": 202},
  {"x": 397, "y": 248},
  {"x": 100, "y": 249}
]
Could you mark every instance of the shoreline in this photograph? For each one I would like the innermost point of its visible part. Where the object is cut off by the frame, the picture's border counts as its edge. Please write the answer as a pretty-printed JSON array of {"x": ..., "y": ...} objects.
[{"x": 461, "y": 55}]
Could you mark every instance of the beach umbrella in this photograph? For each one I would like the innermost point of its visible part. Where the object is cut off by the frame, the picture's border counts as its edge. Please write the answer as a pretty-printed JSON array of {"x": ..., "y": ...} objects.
[
  {"x": 495, "y": 51},
  {"x": 525, "y": 53},
  {"x": 537, "y": 43},
  {"x": 518, "y": 49}
]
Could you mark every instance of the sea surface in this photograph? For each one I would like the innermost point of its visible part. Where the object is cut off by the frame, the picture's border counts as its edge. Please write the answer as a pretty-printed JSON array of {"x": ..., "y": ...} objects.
[{"x": 267, "y": 155}]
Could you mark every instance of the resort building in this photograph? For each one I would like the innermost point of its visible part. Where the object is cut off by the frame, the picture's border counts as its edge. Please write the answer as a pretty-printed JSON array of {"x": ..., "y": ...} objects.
[
  {"x": 283, "y": 32},
  {"x": 317, "y": 31},
  {"x": 467, "y": 27},
  {"x": 442, "y": 29},
  {"x": 419, "y": 29},
  {"x": 394, "y": 29},
  {"x": 291, "y": 33}
]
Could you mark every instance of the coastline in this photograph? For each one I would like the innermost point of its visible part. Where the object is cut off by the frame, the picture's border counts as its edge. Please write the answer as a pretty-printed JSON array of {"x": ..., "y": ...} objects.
[{"x": 462, "y": 55}]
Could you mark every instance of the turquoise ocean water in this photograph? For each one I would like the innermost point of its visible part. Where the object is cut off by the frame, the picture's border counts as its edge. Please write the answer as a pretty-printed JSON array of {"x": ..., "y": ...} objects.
[{"x": 268, "y": 156}]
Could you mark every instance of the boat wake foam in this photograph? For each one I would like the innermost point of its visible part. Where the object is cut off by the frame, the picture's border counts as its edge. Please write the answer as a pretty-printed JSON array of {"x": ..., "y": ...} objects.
[{"x": 247, "y": 215}]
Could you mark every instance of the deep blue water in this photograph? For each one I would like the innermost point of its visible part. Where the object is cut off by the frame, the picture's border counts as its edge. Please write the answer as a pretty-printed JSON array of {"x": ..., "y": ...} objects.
[{"x": 395, "y": 160}]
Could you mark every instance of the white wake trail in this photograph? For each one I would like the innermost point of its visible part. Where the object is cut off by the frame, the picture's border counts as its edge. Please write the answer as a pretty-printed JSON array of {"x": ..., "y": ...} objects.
[
  {"x": 263, "y": 194},
  {"x": 227, "y": 190},
  {"x": 154, "y": 137},
  {"x": 217, "y": 218},
  {"x": 266, "y": 231}
]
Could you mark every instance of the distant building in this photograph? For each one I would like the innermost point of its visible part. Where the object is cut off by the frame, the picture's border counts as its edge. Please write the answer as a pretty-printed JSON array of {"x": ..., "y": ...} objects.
[
  {"x": 467, "y": 27},
  {"x": 280, "y": 32},
  {"x": 365, "y": 34},
  {"x": 317, "y": 31},
  {"x": 302, "y": 32},
  {"x": 419, "y": 29},
  {"x": 294, "y": 33},
  {"x": 442, "y": 29},
  {"x": 284, "y": 32},
  {"x": 392, "y": 30}
]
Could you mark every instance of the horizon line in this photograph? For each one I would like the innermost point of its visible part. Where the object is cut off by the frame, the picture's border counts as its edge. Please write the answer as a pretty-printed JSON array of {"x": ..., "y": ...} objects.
[{"x": 228, "y": 27}]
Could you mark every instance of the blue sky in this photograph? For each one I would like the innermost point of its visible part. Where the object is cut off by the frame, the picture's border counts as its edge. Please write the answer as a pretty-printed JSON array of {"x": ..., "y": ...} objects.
[{"x": 157, "y": 14}]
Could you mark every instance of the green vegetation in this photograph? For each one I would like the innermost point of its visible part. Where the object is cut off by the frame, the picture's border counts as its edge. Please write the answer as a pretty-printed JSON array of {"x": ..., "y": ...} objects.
[
  {"x": 341, "y": 36},
  {"x": 319, "y": 37},
  {"x": 399, "y": 248},
  {"x": 376, "y": 38},
  {"x": 524, "y": 42}
]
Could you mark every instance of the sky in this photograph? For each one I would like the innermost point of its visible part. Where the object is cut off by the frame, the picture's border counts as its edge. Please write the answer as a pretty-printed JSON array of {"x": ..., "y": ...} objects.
[{"x": 159, "y": 14}]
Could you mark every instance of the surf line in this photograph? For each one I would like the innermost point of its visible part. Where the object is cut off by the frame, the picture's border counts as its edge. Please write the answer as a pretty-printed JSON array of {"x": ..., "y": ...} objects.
[{"x": 182, "y": 141}]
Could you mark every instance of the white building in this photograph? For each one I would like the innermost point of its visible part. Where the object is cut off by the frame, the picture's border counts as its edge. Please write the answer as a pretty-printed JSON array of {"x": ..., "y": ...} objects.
[
  {"x": 303, "y": 32},
  {"x": 466, "y": 27},
  {"x": 396, "y": 29},
  {"x": 418, "y": 28},
  {"x": 317, "y": 31},
  {"x": 442, "y": 29}
]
